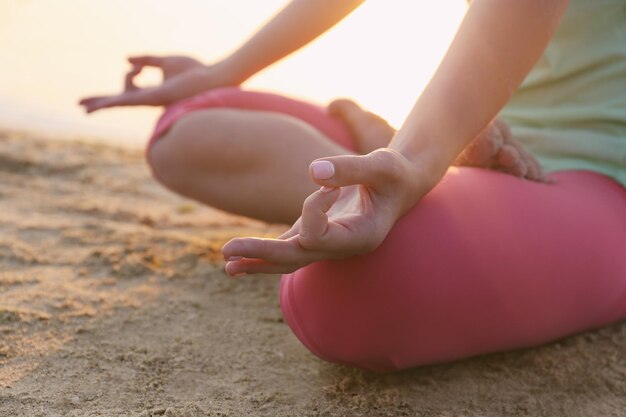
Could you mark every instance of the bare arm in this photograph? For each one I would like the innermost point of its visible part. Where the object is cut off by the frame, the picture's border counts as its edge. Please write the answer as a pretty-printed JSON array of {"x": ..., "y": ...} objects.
[
  {"x": 363, "y": 196},
  {"x": 496, "y": 46},
  {"x": 300, "y": 22}
]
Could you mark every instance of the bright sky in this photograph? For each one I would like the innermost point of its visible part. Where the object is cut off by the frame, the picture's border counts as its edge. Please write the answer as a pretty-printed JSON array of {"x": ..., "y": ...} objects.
[{"x": 54, "y": 52}]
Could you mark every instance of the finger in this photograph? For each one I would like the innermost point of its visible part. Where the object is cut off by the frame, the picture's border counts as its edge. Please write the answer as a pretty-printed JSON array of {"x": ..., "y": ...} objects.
[
  {"x": 96, "y": 103},
  {"x": 257, "y": 266},
  {"x": 483, "y": 148},
  {"x": 92, "y": 104},
  {"x": 293, "y": 230},
  {"x": 149, "y": 96},
  {"x": 503, "y": 127},
  {"x": 533, "y": 169},
  {"x": 84, "y": 101},
  {"x": 535, "y": 172},
  {"x": 276, "y": 251},
  {"x": 146, "y": 60},
  {"x": 375, "y": 169},
  {"x": 511, "y": 161},
  {"x": 541, "y": 176},
  {"x": 129, "y": 84},
  {"x": 131, "y": 98},
  {"x": 314, "y": 219}
]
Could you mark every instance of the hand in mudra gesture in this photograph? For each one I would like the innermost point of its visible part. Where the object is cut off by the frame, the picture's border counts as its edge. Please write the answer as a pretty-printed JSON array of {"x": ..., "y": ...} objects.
[
  {"x": 182, "y": 77},
  {"x": 360, "y": 200}
]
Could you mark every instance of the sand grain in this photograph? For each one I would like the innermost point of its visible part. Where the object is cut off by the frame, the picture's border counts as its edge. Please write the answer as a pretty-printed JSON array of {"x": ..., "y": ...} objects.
[{"x": 113, "y": 303}]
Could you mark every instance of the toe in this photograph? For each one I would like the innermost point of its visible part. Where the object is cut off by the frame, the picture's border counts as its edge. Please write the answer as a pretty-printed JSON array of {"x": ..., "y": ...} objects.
[{"x": 343, "y": 107}]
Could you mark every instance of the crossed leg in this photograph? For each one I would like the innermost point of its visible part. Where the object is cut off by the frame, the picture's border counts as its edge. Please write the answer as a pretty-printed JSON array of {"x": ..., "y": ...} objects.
[
  {"x": 250, "y": 163},
  {"x": 485, "y": 262},
  {"x": 231, "y": 149}
]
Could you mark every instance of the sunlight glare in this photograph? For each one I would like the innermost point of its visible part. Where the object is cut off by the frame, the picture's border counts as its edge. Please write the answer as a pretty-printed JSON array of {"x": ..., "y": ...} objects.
[{"x": 56, "y": 52}]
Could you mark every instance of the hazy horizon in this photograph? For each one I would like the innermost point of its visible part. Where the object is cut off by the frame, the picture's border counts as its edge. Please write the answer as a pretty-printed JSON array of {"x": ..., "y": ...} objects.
[{"x": 54, "y": 53}]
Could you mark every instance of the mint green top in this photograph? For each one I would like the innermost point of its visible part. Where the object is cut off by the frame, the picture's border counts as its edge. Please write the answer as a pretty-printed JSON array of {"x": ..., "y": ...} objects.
[{"x": 570, "y": 111}]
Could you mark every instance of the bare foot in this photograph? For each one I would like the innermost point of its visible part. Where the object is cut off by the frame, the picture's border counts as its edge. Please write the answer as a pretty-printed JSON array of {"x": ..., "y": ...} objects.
[
  {"x": 494, "y": 148},
  {"x": 369, "y": 130}
]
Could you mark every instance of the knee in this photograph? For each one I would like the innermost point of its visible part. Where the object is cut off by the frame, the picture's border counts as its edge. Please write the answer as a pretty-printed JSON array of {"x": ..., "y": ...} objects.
[
  {"x": 336, "y": 318},
  {"x": 188, "y": 146},
  {"x": 163, "y": 162}
]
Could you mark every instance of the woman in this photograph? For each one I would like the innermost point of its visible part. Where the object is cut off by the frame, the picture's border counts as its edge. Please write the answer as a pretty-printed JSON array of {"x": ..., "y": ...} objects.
[{"x": 399, "y": 260}]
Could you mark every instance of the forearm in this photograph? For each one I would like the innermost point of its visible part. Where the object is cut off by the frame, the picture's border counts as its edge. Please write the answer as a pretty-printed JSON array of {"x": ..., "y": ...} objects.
[
  {"x": 300, "y": 22},
  {"x": 496, "y": 46}
]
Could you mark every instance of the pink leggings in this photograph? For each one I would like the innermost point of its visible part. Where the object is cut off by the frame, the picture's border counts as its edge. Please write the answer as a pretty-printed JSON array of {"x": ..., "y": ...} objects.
[{"x": 485, "y": 262}]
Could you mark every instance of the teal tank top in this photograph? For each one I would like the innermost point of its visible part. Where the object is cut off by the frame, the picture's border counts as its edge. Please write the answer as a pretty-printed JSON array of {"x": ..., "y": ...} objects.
[{"x": 570, "y": 111}]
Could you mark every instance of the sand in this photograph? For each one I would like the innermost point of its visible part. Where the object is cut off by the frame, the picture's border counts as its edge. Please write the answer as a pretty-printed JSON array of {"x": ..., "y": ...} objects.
[{"x": 113, "y": 302}]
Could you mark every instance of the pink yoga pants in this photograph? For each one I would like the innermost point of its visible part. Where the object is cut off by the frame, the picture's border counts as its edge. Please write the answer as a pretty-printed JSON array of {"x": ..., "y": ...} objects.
[{"x": 485, "y": 262}]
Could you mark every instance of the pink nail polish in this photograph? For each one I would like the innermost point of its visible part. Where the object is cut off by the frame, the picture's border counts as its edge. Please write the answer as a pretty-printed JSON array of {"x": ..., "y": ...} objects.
[
  {"x": 322, "y": 170},
  {"x": 326, "y": 189}
]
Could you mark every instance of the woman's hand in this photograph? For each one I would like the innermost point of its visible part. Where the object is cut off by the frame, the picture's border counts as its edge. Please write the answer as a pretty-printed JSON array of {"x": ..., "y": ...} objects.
[
  {"x": 360, "y": 200},
  {"x": 495, "y": 148},
  {"x": 182, "y": 77}
]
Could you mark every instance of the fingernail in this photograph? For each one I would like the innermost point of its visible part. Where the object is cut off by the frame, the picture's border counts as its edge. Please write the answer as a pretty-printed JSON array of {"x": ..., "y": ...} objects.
[
  {"x": 234, "y": 258},
  {"x": 228, "y": 271},
  {"x": 326, "y": 189},
  {"x": 322, "y": 170}
]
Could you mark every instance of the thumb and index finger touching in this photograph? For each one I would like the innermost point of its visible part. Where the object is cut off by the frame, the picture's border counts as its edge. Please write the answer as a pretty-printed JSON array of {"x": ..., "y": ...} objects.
[
  {"x": 374, "y": 170},
  {"x": 129, "y": 79},
  {"x": 146, "y": 60},
  {"x": 130, "y": 95},
  {"x": 138, "y": 63}
]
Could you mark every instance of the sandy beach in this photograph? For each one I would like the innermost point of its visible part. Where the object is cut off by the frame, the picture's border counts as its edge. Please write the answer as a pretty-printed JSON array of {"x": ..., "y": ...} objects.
[{"x": 113, "y": 302}]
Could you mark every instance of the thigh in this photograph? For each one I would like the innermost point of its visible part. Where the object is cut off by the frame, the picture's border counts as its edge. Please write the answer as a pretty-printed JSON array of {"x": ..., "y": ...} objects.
[{"x": 485, "y": 262}]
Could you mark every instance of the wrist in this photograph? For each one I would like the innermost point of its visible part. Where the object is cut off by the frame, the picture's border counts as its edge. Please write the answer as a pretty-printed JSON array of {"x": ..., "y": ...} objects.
[
  {"x": 414, "y": 178},
  {"x": 428, "y": 154},
  {"x": 425, "y": 167},
  {"x": 230, "y": 72}
]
